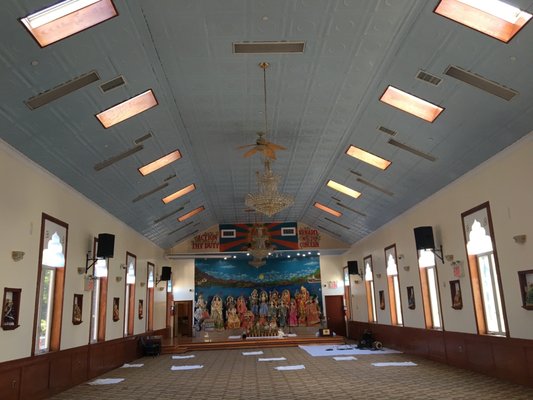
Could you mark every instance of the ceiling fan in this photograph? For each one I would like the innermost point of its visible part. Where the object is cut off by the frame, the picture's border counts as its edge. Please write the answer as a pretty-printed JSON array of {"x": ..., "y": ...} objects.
[{"x": 262, "y": 145}]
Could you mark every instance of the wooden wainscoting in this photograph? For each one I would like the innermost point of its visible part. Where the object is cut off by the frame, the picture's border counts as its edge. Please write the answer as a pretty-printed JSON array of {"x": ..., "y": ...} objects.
[
  {"x": 41, "y": 376},
  {"x": 504, "y": 358}
]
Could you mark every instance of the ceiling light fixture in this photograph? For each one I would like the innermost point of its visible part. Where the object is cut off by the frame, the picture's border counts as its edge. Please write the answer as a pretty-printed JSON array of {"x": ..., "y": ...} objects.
[
  {"x": 411, "y": 104},
  {"x": 67, "y": 18},
  {"x": 491, "y": 17},
  {"x": 191, "y": 213},
  {"x": 179, "y": 193},
  {"x": 322, "y": 207},
  {"x": 367, "y": 157},
  {"x": 160, "y": 163},
  {"x": 127, "y": 109},
  {"x": 343, "y": 189}
]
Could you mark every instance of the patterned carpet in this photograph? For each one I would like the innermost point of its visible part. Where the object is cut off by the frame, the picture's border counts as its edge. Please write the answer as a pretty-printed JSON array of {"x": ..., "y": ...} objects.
[{"x": 227, "y": 374}]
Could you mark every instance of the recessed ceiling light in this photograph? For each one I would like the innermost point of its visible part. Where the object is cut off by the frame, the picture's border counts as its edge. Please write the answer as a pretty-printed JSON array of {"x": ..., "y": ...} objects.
[
  {"x": 491, "y": 17},
  {"x": 67, "y": 18},
  {"x": 160, "y": 163},
  {"x": 327, "y": 209},
  {"x": 411, "y": 104},
  {"x": 179, "y": 193},
  {"x": 367, "y": 157},
  {"x": 127, "y": 109},
  {"x": 191, "y": 213},
  {"x": 343, "y": 189}
]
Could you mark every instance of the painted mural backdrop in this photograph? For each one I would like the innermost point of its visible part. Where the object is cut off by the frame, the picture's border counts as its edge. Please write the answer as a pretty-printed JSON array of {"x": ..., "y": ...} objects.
[{"x": 231, "y": 294}]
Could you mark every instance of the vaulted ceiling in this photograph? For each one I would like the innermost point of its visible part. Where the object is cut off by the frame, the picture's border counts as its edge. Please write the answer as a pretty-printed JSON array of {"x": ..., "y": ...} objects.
[{"x": 210, "y": 101}]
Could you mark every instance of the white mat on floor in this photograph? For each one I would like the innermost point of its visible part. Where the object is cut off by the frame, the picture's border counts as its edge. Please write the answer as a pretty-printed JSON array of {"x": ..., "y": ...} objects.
[
  {"x": 184, "y": 367},
  {"x": 132, "y": 366},
  {"x": 394, "y": 364},
  {"x": 252, "y": 353},
  {"x": 290, "y": 367},
  {"x": 342, "y": 350},
  {"x": 348, "y": 358},
  {"x": 106, "y": 381},
  {"x": 272, "y": 359},
  {"x": 183, "y": 357},
  {"x": 235, "y": 337}
]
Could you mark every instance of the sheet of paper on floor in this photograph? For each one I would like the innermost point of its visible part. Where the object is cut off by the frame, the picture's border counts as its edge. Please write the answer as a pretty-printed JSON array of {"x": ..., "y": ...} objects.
[
  {"x": 185, "y": 367},
  {"x": 394, "y": 364},
  {"x": 106, "y": 381},
  {"x": 183, "y": 357},
  {"x": 252, "y": 353},
  {"x": 235, "y": 337},
  {"x": 290, "y": 367},
  {"x": 132, "y": 366},
  {"x": 342, "y": 350},
  {"x": 272, "y": 359},
  {"x": 347, "y": 358}
]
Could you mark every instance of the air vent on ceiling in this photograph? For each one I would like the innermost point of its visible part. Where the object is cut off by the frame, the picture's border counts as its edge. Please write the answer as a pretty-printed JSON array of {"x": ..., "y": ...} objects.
[
  {"x": 186, "y": 236},
  {"x": 337, "y": 223},
  {"x": 355, "y": 172},
  {"x": 328, "y": 230},
  {"x": 112, "y": 84},
  {"x": 369, "y": 184},
  {"x": 336, "y": 199},
  {"x": 61, "y": 90},
  {"x": 268, "y": 47},
  {"x": 110, "y": 161},
  {"x": 146, "y": 194},
  {"x": 169, "y": 177},
  {"x": 387, "y": 130},
  {"x": 427, "y": 77},
  {"x": 143, "y": 138},
  {"x": 171, "y": 213},
  {"x": 412, "y": 150},
  {"x": 481, "y": 83},
  {"x": 181, "y": 227},
  {"x": 351, "y": 209}
]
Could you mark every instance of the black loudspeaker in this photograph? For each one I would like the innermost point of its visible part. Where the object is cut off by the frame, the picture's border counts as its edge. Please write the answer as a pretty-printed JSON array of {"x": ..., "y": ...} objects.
[
  {"x": 165, "y": 273},
  {"x": 353, "y": 268},
  {"x": 106, "y": 245},
  {"x": 424, "y": 238}
]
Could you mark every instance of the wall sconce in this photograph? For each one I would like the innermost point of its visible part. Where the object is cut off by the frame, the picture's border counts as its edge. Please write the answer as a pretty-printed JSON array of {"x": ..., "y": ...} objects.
[
  {"x": 378, "y": 276},
  {"x": 424, "y": 241},
  {"x": 118, "y": 278},
  {"x": 520, "y": 239},
  {"x": 357, "y": 279},
  {"x": 161, "y": 288},
  {"x": 17, "y": 255},
  {"x": 81, "y": 270},
  {"x": 449, "y": 257},
  {"x": 123, "y": 266},
  {"x": 406, "y": 268},
  {"x": 142, "y": 284}
]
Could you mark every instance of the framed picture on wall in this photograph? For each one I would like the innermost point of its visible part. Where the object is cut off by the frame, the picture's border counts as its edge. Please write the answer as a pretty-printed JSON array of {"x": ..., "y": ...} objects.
[
  {"x": 10, "y": 308},
  {"x": 526, "y": 288},
  {"x": 116, "y": 310},
  {"x": 457, "y": 297},
  {"x": 381, "y": 300},
  {"x": 411, "y": 297},
  {"x": 77, "y": 309}
]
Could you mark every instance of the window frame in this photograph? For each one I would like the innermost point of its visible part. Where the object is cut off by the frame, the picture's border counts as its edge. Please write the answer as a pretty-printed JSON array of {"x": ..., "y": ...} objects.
[
  {"x": 150, "y": 296},
  {"x": 426, "y": 294},
  {"x": 393, "y": 285},
  {"x": 101, "y": 286},
  {"x": 129, "y": 296},
  {"x": 370, "y": 288}
]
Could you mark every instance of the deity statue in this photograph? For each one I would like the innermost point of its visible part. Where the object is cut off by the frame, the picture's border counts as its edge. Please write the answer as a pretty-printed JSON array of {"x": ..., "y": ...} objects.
[
  {"x": 233, "y": 319},
  {"x": 216, "y": 312},
  {"x": 293, "y": 313},
  {"x": 313, "y": 312},
  {"x": 286, "y": 297},
  {"x": 241, "y": 307},
  {"x": 283, "y": 312},
  {"x": 263, "y": 307},
  {"x": 254, "y": 302},
  {"x": 200, "y": 312}
]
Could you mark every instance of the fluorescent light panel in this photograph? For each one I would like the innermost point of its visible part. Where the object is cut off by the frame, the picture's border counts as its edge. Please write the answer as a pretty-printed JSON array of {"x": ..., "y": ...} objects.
[
  {"x": 411, "y": 104},
  {"x": 322, "y": 207},
  {"x": 179, "y": 193},
  {"x": 367, "y": 157},
  {"x": 127, "y": 109},
  {"x": 491, "y": 17},
  {"x": 343, "y": 189},
  {"x": 160, "y": 163},
  {"x": 191, "y": 213},
  {"x": 67, "y": 18}
]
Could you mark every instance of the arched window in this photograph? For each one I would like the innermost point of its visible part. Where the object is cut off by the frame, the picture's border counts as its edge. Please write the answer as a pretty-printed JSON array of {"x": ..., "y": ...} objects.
[
  {"x": 370, "y": 292},
  {"x": 393, "y": 282}
]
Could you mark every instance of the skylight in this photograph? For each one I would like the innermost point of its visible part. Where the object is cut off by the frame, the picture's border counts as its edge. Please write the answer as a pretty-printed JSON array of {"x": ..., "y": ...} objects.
[
  {"x": 343, "y": 189},
  {"x": 367, "y": 157},
  {"x": 127, "y": 109},
  {"x": 67, "y": 18},
  {"x": 327, "y": 209},
  {"x": 179, "y": 193},
  {"x": 411, "y": 104},
  {"x": 191, "y": 213},
  {"x": 491, "y": 17},
  {"x": 160, "y": 163}
]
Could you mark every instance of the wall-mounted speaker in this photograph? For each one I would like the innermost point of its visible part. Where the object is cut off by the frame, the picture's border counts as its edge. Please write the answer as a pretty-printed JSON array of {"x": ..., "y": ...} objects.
[
  {"x": 165, "y": 273},
  {"x": 353, "y": 268},
  {"x": 106, "y": 245},
  {"x": 424, "y": 238}
]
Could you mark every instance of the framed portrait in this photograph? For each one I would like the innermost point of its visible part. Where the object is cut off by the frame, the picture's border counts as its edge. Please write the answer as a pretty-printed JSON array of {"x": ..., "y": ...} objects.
[
  {"x": 411, "y": 298},
  {"x": 77, "y": 309},
  {"x": 10, "y": 309},
  {"x": 526, "y": 288},
  {"x": 457, "y": 297},
  {"x": 140, "y": 311},
  {"x": 381, "y": 300},
  {"x": 116, "y": 308}
]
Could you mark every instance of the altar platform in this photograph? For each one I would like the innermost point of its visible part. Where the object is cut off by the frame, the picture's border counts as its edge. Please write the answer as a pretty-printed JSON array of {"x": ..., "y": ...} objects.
[{"x": 232, "y": 339}]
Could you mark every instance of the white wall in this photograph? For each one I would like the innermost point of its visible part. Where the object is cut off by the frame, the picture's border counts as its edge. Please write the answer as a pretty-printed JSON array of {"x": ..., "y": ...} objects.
[
  {"x": 27, "y": 192},
  {"x": 506, "y": 182}
]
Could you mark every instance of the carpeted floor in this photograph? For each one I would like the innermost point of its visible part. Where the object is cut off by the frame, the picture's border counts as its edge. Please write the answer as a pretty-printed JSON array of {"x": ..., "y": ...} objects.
[{"x": 227, "y": 374}]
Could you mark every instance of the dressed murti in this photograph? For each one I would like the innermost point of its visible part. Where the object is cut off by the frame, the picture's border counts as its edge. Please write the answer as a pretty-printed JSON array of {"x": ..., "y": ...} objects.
[
  {"x": 216, "y": 312},
  {"x": 263, "y": 307},
  {"x": 241, "y": 307},
  {"x": 254, "y": 302},
  {"x": 313, "y": 312},
  {"x": 293, "y": 313},
  {"x": 200, "y": 312},
  {"x": 233, "y": 319}
]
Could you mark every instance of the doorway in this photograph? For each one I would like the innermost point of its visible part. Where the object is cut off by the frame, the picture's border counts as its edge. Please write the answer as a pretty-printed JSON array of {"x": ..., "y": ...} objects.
[
  {"x": 335, "y": 314},
  {"x": 183, "y": 318}
]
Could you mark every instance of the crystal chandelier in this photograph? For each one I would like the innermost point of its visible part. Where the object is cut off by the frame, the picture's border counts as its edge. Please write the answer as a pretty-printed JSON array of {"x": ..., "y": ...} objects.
[
  {"x": 268, "y": 200},
  {"x": 260, "y": 246}
]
